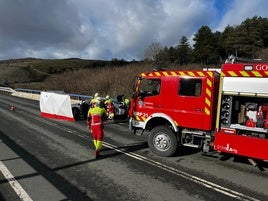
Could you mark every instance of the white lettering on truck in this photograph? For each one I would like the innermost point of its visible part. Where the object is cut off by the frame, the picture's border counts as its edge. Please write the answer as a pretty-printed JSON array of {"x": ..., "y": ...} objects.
[{"x": 262, "y": 67}]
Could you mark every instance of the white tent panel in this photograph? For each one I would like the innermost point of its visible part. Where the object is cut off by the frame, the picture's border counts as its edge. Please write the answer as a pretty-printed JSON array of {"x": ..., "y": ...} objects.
[{"x": 53, "y": 105}]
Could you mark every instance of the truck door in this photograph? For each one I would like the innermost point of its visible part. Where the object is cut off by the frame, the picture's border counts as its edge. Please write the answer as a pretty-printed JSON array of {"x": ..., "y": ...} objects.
[
  {"x": 148, "y": 97},
  {"x": 190, "y": 102}
]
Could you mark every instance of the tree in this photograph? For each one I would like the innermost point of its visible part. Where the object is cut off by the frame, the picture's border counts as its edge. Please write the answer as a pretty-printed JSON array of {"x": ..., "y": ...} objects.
[
  {"x": 161, "y": 58},
  {"x": 246, "y": 39},
  {"x": 253, "y": 36},
  {"x": 218, "y": 53},
  {"x": 151, "y": 51},
  {"x": 204, "y": 45},
  {"x": 172, "y": 56},
  {"x": 228, "y": 40},
  {"x": 184, "y": 51}
]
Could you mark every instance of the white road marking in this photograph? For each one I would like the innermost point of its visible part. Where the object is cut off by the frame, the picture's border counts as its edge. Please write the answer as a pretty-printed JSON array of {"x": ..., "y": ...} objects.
[
  {"x": 195, "y": 179},
  {"x": 208, "y": 184},
  {"x": 14, "y": 183}
]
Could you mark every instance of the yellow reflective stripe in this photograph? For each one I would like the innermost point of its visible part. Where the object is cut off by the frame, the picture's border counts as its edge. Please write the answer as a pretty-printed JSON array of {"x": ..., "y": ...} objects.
[
  {"x": 209, "y": 83},
  {"x": 207, "y": 101},
  {"x": 244, "y": 74},
  {"x": 208, "y": 92},
  {"x": 138, "y": 118},
  {"x": 200, "y": 73},
  {"x": 210, "y": 74},
  {"x": 173, "y": 73},
  {"x": 157, "y": 73},
  {"x": 207, "y": 111},
  {"x": 176, "y": 123},
  {"x": 256, "y": 73},
  {"x": 182, "y": 73},
  {"x": 208, "y": 86},
  {"x": 232, "y": 73},
  {"x": 191, "y": 74},
  {"x": 165, "y": 73}
]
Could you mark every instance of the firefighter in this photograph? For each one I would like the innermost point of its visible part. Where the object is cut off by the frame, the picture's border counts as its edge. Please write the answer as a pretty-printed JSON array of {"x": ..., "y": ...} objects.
[
  {"x": 127, "y": 103},
  {"x": 109, "y": 107},
  {"x": 96, "y": 96},
  {"x": 95, "y": 119}
]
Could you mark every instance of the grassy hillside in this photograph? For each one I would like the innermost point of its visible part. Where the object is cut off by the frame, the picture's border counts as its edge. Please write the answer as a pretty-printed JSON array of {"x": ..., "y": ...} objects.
[
  {"x": 70, "y": 75},
  {"x": 75, "y": 75}
]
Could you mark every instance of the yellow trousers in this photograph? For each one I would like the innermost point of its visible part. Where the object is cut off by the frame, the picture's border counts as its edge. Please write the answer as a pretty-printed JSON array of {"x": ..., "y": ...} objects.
[{"x": 98, "y": 144}]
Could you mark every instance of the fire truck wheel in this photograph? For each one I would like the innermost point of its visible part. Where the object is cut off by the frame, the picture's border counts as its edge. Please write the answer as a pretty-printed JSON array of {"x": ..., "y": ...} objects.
[{"x": 162, "y": 141}]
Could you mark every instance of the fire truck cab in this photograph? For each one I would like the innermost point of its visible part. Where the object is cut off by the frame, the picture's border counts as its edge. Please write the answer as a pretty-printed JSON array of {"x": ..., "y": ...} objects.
[{"x": 225, "y": 110}]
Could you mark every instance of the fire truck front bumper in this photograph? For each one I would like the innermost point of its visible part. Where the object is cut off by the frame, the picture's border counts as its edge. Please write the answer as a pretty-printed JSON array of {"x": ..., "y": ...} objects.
[{"x": 135, "y": 125}]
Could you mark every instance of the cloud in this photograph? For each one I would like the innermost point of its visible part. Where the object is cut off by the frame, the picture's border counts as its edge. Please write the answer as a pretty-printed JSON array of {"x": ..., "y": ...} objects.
[
  {"x": 237, "y": 12},
  {"x": 106, "y": 29},
  {"x": 35, "y": 26},
  {"x": 131, "y": 26}
]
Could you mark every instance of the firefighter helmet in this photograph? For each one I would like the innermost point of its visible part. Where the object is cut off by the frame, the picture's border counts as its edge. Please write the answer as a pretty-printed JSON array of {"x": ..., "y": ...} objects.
[
  {"x": 96, "y": 95},
  {"x": 97, "y": 102}
]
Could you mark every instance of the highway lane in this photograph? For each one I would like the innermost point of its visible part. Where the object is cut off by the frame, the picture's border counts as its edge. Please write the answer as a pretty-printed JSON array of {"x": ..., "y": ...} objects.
[{"x": 53, "y": 160}]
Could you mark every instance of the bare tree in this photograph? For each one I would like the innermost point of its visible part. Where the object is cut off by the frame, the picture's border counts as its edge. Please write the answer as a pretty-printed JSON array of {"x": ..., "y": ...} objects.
[{"x": 151, "y": 51}]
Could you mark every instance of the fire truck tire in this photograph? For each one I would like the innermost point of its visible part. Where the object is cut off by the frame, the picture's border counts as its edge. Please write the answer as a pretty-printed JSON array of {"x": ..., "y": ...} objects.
[{"x": 162, "y": 141}]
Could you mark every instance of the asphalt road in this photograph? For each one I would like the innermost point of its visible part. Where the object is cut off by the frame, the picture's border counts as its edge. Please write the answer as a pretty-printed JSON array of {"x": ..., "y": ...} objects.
[{"x": 47, "y": 159}]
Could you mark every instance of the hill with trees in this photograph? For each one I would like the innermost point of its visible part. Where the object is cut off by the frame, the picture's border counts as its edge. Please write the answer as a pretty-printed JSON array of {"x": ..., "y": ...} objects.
[{"x": 249, "y": 40}]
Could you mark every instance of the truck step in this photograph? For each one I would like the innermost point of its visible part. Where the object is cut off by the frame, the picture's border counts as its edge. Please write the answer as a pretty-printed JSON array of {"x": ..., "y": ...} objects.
[{"x": 191, "y": 145}]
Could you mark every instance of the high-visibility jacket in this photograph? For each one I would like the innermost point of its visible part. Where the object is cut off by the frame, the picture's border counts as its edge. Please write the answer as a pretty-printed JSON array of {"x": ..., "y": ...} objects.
[
  {"x": 109, "y": 106},
  {"x": 96, "y": 116},
  {"x": 126, "y": 101}
]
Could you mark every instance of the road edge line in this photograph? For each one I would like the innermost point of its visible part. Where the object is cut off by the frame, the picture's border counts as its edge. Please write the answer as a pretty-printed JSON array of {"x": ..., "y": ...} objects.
[{"x": 14, "y": 183}]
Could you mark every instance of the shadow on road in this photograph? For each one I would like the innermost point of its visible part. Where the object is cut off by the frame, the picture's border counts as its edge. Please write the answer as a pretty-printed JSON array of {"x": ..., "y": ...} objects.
[
  {"x": 256, "y": 163},
  {"x": 59, "y": 182},
  {"x": 185, "y": 151},
  {"x": 261, "y": 165},
  {"x": 108, "y": 153}
]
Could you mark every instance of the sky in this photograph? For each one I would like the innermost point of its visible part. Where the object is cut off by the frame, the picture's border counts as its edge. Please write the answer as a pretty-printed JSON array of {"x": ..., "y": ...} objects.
[{"x": 111, "y": 29}]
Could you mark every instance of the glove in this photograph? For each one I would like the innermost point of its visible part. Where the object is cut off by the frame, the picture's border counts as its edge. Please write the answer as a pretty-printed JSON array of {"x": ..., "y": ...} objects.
[{"x": 88, "y": 124}]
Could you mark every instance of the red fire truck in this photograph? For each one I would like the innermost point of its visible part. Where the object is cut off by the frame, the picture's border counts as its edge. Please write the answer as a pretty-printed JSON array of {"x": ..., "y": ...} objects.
[{"x": 224, "y": 110}]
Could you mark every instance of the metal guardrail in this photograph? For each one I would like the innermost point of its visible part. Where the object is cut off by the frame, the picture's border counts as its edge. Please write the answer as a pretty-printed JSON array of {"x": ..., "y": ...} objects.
[
  {"x": 9, "y": 90},
  {"x": 31, "y": 91}
]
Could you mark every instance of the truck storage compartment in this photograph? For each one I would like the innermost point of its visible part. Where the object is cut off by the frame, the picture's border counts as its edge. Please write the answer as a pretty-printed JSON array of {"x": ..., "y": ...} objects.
[{"x": 244, "y": 115}]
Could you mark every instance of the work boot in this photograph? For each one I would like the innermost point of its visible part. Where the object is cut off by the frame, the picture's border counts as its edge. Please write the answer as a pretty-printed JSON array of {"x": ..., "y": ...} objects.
[{"x": 97, "y": 154}]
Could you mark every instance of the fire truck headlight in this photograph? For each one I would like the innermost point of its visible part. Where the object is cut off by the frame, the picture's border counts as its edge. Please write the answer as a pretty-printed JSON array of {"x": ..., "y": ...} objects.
[
  {"x": 226, "y": 110},
  {"x": 226, "y": 106},
  {"x": 225, "y": 113},
  {"x": 226, "y": 98},
  {"x": 224, "y": 121}
]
